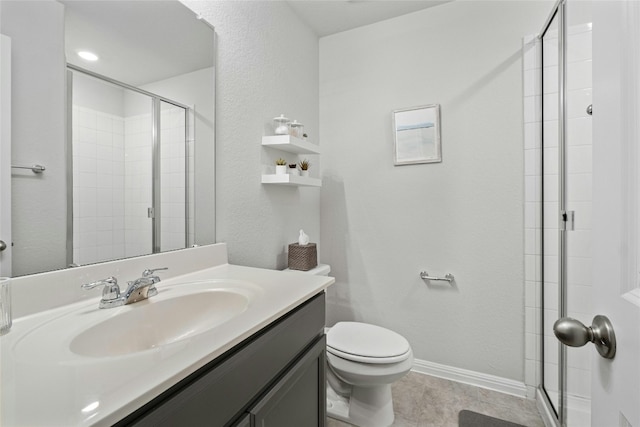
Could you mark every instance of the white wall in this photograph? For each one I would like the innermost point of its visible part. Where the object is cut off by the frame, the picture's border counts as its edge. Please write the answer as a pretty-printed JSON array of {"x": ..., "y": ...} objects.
[
  {"x": 97, "y": 95},
  {"x": 38, "y": 201},
  {"x": 267, "y": 64},
  {"x": 382, "y": 225}
]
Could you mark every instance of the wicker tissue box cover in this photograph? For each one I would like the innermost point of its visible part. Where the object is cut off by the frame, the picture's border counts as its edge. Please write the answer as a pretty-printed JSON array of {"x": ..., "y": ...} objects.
[{"x": 303, "y": 257}]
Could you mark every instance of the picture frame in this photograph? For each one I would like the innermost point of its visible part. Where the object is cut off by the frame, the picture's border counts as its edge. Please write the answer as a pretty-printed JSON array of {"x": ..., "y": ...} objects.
[{"x": 416, "y": 135}]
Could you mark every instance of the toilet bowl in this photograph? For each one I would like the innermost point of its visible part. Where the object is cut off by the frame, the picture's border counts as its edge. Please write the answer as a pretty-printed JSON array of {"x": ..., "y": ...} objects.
[{"x": 363, "y": 360}]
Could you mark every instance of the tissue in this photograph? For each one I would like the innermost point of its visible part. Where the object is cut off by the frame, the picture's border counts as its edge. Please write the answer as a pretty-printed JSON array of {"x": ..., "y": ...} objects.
[{"x": 303, "y": 239}]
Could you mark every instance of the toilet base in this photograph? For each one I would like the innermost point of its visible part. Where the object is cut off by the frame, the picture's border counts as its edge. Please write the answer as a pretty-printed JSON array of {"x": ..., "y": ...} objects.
[
  {"x": 366, "y": 407},
  {"x": 337, "y": 406}
]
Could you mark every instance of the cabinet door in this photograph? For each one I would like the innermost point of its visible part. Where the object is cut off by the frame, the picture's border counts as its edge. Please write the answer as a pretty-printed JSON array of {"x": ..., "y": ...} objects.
[
  {"x": 244, "y": 422},
  {"x": 222, "y": 391},
  {"x": 299, "y": 397}
]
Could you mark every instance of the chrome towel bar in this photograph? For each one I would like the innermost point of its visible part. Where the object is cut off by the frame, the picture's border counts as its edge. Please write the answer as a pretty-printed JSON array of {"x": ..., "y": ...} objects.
[
  {"x": 34, "y": 168},
  {"x": 447, "y": 277}
]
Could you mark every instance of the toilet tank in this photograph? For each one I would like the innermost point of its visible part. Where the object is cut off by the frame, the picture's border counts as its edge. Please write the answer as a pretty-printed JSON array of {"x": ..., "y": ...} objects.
[{"x": 320, "y": 270}]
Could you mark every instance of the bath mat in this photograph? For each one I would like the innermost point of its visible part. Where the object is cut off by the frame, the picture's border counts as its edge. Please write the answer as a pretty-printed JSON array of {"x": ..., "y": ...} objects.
[{"x": 474, "y": 419}]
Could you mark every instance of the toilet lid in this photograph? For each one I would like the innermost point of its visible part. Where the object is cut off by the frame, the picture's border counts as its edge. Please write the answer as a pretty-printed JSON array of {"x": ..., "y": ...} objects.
[{"x": 363, "y": 342}]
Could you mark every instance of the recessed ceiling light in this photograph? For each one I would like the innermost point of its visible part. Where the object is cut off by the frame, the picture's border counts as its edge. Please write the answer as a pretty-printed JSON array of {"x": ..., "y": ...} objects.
[{"x": 86, "y": 55}]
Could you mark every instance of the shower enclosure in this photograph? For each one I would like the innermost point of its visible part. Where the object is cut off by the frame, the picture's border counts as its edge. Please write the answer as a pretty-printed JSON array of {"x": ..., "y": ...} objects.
[
  {"x": 131, "y": 174},
  {"x": 558, "y": 190}
]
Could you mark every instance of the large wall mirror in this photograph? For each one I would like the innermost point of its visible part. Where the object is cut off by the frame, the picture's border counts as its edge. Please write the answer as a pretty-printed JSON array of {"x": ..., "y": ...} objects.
[{"x": 126, "y": 140}]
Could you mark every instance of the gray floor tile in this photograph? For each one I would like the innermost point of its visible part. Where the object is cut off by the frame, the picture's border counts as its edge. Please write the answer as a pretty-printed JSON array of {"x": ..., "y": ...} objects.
[
  {"x": 425, "y": 401},
  {"x": 335, "y": 423}
]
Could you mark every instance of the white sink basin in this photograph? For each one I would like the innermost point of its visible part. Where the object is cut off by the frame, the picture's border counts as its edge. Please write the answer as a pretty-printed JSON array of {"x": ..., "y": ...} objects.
[
  {"x": 156, "y": 323},
  {"x": 178, "y": 313}
]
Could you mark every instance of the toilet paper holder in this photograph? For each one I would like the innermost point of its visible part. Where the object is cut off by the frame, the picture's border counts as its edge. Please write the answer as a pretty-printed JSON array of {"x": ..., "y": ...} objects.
[{"x": 447, "y": 277}]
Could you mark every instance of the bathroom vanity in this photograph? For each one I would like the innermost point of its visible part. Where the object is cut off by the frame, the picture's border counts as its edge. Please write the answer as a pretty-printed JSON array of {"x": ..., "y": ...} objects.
[
  {"x": 274, "y": 378},
  {"x": 218, "y": 345}
]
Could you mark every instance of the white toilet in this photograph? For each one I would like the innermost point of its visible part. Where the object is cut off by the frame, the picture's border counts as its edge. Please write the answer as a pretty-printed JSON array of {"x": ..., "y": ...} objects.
[{"x": 363, "y": 361}]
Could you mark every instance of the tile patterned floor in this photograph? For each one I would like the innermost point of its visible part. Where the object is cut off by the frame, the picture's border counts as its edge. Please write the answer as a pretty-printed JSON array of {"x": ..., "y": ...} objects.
[{"x": 425, "y": 401}]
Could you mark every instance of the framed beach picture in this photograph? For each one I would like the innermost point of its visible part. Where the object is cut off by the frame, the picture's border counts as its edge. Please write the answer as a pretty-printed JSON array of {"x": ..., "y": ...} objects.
[{"x": 416, "y": 133}]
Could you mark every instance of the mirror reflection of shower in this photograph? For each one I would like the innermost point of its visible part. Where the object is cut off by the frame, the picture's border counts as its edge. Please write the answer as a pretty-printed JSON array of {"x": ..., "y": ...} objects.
[{"x": 132, "y": 171}]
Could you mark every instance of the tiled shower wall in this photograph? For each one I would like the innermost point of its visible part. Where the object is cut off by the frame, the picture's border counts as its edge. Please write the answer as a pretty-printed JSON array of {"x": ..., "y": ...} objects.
[
  {"x": 138, "y": 184},
  {"x": 112, "y": 184},
  {"x": 579, "y": 164},
  {"x": 173, "y": 170},
  {"x": 532, "y": 209},
  {"x": 98, "y": 184},
  {"x": 579, "y": 200}
]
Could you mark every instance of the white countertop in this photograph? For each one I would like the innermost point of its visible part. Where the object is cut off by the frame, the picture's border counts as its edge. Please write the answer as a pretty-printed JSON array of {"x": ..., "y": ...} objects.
[{"x": 45, "y": 384}]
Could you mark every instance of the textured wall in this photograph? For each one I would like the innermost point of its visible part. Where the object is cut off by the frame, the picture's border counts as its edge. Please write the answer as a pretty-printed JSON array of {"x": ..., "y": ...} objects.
[
  {"x": 267, "y": 64},
  {"x": 382, "y": 225},
  {"x": 38, "y": 134}
]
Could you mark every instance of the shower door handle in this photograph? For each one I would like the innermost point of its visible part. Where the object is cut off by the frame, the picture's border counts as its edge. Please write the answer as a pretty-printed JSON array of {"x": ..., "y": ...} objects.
[{"x": 574, "y": 333}]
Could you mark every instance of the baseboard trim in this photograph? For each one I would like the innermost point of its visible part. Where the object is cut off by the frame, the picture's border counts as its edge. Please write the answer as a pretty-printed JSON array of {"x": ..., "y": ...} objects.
[{"x": 478, "y": 379}]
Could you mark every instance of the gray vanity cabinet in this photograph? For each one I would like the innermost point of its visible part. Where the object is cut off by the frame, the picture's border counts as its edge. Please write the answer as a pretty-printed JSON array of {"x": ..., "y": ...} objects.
[
  {"x": 245, "y": 421},
  {"x": 275, "y": 378},
  {"x": 299, "y": 397}
]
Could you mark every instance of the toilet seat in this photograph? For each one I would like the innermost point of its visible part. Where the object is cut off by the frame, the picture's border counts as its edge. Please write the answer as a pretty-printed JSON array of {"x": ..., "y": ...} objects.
[{"x": 362, "y": 342}]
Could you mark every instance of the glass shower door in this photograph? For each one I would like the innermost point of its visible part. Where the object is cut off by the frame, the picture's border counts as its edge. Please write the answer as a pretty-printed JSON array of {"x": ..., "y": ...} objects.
[
  {"x": 173, "y": 176},
  {"x": 566, "y": 207},
  {"x": 111, "y": 168},
  {"x": 131, "y": 171},
  {"x": 551, "y": 121}
]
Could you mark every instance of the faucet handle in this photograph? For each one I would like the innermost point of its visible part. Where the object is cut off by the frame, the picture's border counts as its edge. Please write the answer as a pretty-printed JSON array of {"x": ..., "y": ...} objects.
[
  {"x": 149, "y": 272},
  {"x": 111, "y": 289},
  {"x": 153, "y": 291}
]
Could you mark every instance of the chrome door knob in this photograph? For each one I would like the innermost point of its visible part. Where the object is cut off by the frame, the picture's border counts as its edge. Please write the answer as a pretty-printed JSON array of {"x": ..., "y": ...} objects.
[
  {"x": 3, "y": 245},
  {"x": 572, "y": 332},
  {"x": 575, "y": 334}
]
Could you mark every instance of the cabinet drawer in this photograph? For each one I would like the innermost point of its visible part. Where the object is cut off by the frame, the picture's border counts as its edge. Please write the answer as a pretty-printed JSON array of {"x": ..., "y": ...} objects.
[
  {"x": 219, "y": 392},
  {"x": 299, "y": 397}
]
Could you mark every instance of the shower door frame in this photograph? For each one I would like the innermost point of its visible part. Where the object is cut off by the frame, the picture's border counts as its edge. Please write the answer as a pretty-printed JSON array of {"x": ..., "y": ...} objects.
[
  {"x": 156, "y": 100},
  {"x": 558, "y": 12}
]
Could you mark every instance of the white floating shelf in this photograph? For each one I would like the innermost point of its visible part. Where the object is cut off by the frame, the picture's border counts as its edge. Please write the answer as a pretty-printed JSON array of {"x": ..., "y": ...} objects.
[
  {"x": 290, "y": 144},
  {"x": 291, "y": 180}
]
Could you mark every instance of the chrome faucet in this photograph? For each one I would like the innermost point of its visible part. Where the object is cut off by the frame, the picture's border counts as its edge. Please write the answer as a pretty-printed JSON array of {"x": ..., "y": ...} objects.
[
  {"x": 137, "y": 290},
  {"x": 110, "y": 294},
  {"x": 143, "y": 287}
]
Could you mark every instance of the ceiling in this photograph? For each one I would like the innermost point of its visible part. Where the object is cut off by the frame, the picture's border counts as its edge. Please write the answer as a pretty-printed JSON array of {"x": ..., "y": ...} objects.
[
  {"x": 123, "y": 33},
  {"x": 137, "y": 41},
  {"x": 333, "y": 16}
]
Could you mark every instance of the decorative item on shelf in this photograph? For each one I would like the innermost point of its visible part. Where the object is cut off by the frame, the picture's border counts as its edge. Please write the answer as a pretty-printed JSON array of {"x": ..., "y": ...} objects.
[
  {"x": 304, "y": 136},
  {"x": 281, "y": 167},
  {"x": 293, "y": 169},
  {"x": 281, "y": 125},
  {"x": 304, "y": 167},
  {"x": 296, "y": 129},
  {"x": 303, "y": 255}
]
